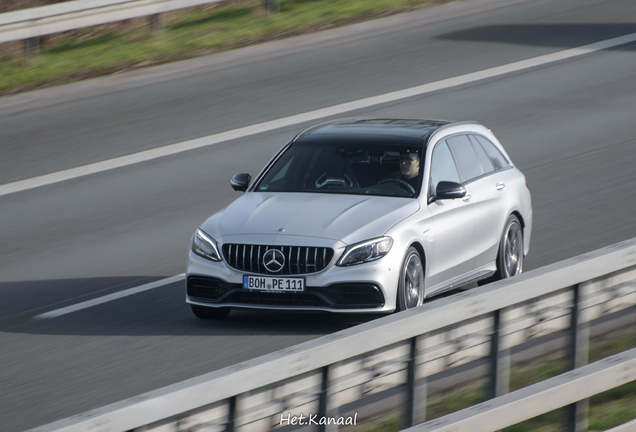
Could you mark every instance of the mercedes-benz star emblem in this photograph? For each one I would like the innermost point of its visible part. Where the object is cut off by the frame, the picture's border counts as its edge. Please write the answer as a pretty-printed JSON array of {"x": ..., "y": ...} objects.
[{"x": 274, "y": 260}]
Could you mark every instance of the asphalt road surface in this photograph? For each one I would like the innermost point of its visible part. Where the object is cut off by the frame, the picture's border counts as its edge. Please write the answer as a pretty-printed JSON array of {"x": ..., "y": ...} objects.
[{"x": 568, "y": 125}]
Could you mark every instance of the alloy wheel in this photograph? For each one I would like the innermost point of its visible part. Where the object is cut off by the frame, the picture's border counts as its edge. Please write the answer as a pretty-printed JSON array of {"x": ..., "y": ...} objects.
[
  {"x": 513, "y": 250},
  {"x": 413, "y": 282}
]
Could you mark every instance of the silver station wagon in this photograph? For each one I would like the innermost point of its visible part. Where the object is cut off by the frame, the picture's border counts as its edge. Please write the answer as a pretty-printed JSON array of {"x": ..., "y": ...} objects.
[{"x": 364, "y": 215}]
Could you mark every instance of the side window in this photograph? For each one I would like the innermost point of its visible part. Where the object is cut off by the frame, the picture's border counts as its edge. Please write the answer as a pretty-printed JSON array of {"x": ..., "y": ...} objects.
[
  {"x": 498, "y": 160},
  {"x": 463, "y": 150},
  {"x": 486, "y": 163},
  {"x": 442, "y": 166}
]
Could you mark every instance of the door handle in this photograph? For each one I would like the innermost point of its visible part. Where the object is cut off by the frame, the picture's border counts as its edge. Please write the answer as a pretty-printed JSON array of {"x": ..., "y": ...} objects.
[
  {"x": 467, "y": 197},
  {"x": 500, "y": 185}
]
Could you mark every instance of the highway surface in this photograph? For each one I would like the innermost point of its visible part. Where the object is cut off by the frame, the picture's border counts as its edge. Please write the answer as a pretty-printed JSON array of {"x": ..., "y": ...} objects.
[{"x": 568, "y": 124}]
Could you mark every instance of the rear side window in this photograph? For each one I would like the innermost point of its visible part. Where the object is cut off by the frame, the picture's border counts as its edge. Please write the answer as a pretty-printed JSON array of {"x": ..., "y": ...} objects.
[
  {"x": 496, "y": 158},
  {"x": 442, "y": 166},
  {"x": 486, "y": 163},
  {"x": 464, "y": 153}
]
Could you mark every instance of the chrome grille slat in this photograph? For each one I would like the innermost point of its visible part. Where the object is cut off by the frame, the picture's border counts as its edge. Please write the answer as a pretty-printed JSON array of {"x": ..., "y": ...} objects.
[
  {"x": 291, "y": 249},
  {"x": 298, "y": 261},
  {"x": 314, "y": 263},
  {"x": 282, "y": 270},
  {"x": 309, "y": 259}
]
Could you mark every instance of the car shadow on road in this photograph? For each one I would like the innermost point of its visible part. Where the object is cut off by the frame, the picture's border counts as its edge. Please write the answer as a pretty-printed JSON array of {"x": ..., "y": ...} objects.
[
  {"x": 158, "y": 311},
  {"x": 551, "y": 35}
]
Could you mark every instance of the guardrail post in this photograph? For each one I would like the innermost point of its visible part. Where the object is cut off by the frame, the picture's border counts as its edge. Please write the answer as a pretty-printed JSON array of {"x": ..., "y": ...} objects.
[
  {"x": 578, "y": 356},
  {"x": 415, "y": 393},
  {"x": 272, "y": 6},
  {"x": 324, "y": 403},
  {"x": 410, "y": 384},
  {"x": 231, "y": 417},
  {"x": 31, "y": 46},
  {"x": 157, "y": 23},
  {"x": 499, "y": 360}
]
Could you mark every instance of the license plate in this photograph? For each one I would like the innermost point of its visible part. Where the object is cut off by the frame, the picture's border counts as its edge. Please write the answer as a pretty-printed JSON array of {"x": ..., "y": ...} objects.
[{"x": 268, "y": 283}]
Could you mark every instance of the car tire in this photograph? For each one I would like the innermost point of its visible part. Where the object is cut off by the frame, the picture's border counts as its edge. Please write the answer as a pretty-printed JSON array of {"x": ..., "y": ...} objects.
[
  {"x": 411, "y": 284},
  {"x": 208, "y": 313},
  {"x": 510, "y": 254}
]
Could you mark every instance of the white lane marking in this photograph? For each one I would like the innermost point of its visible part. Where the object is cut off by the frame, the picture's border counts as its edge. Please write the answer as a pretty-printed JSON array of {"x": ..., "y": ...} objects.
[
  {"x": 258, "y": 128},
  {"x": 110, "y": 297}
]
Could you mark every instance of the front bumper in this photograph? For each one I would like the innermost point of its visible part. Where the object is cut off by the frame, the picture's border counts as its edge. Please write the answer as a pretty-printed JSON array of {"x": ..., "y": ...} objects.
[
  {"x": 212, "y": 291},
  {"x": 364, "y": 288}
]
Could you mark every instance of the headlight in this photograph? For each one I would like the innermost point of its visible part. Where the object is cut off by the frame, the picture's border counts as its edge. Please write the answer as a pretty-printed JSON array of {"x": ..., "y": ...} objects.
[
  {"x": 369, "y": 250},
  {"x": 205, "y": 246}
]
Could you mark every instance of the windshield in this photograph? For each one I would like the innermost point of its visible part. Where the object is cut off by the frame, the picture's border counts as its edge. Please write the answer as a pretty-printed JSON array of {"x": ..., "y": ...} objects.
[{"x": 346, "y": 168}]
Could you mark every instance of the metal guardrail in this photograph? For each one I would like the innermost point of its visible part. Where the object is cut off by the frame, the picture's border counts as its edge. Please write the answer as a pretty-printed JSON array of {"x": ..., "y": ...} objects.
[
  {"x": 626, "y": 427},
  {"x": 27, "y": 24},
  {"x": 398, "y": 351},
  {"x": 539, "y": 398}
]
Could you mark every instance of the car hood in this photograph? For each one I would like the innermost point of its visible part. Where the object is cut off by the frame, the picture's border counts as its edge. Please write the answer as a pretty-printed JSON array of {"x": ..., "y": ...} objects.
[{"x": 349, "y": 218}]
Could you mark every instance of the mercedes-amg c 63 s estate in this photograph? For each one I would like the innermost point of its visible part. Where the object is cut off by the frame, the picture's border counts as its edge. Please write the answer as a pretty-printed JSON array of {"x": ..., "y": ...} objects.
[{"x": 364, "y": 215}]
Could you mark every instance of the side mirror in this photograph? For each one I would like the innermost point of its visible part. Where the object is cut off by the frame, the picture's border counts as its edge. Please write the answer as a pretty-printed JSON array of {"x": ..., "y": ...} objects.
[
  {"x": 449, "y": 190},
  {"x": 241, "y": 181}
]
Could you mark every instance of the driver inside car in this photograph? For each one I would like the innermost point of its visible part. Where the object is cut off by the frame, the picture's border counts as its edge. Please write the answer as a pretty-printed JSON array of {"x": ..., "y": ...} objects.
[{"x": 409, "y": 168}]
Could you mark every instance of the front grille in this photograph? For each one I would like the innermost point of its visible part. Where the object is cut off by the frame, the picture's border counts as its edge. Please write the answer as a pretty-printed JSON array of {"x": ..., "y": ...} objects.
[{"x": 298, "y": 259}]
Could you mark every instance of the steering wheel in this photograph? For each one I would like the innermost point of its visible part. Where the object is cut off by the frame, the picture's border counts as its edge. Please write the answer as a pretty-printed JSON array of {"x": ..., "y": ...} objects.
[
  {"x": 401, "y": 183},
  {"x": 325, "y": 180}
]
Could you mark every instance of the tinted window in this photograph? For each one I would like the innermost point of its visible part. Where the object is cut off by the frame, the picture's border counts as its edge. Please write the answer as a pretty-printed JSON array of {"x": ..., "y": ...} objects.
[
  {"x": 347, "y": 167},
  {"x": 282, "y": 171},
  {"x": 498, "y": 160},
  {"x": 486, "y": 163},
  {"x": 442, "y": 166},
  {"x": 463, "y": 150}
]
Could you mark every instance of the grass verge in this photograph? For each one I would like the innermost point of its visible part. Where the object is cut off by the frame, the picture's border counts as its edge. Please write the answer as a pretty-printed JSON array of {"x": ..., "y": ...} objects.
[{"x": 195, "y": 32}]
